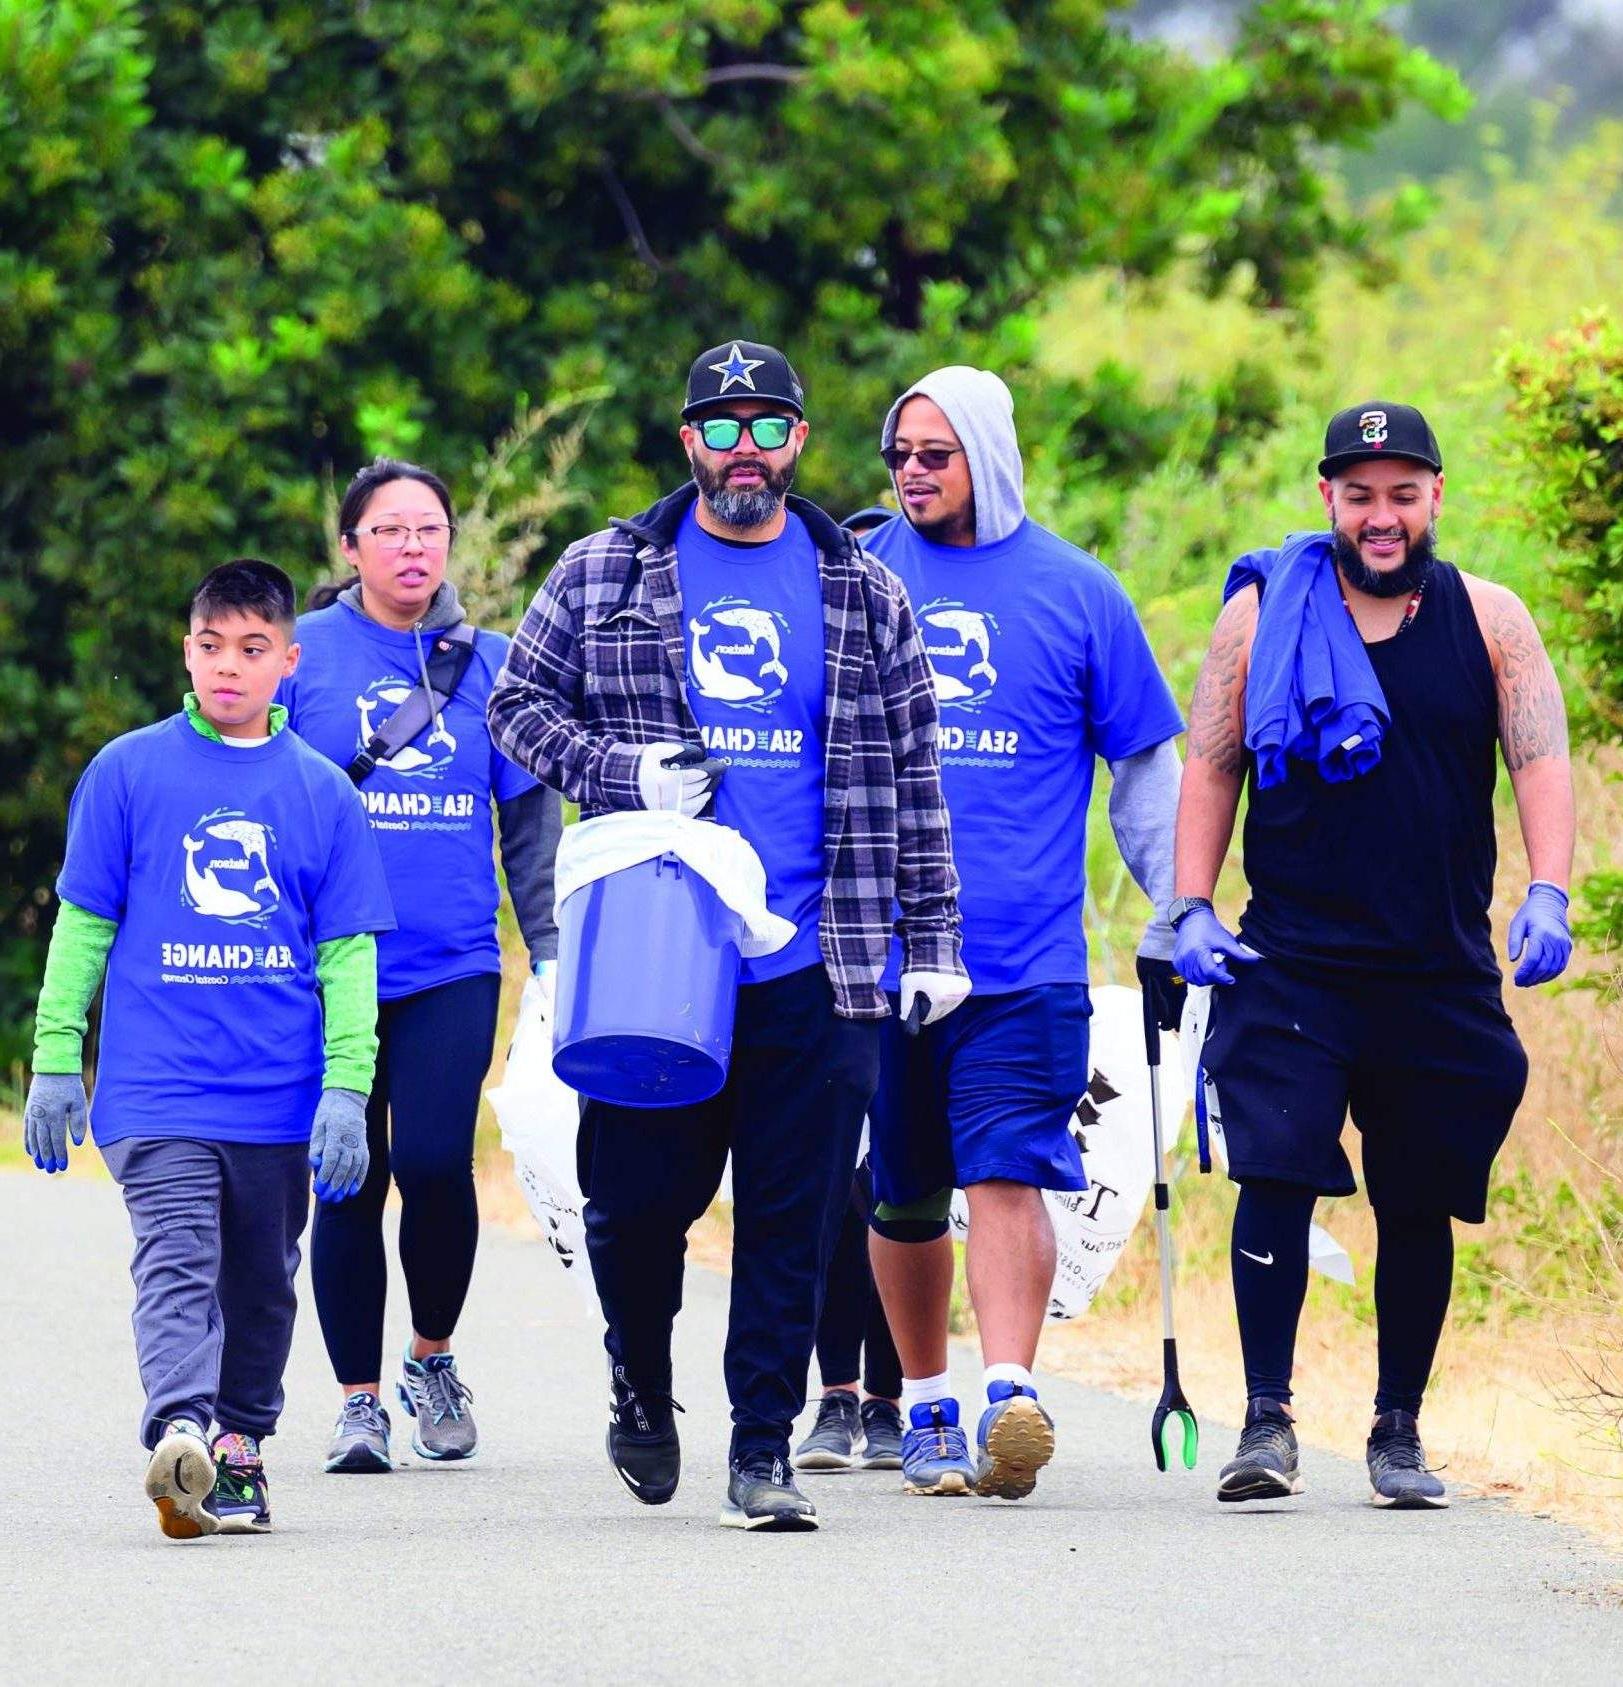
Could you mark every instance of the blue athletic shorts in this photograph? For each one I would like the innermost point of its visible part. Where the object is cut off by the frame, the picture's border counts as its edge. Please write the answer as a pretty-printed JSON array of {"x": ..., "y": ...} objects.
[
  {"x": 989, "y": 1092},
  {"x": 1432, "y": 1072}
]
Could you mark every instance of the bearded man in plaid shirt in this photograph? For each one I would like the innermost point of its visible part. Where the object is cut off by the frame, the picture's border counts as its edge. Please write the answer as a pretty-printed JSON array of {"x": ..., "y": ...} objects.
[{"x": 735, "y": 619}]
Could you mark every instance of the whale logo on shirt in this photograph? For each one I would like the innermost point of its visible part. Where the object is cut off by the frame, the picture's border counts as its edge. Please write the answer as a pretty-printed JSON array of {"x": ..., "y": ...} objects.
[
  {"x": 391, "y": 692},
  {"x": 227, "y": 873},
  {"x": 736, "y": 653},
  {"x": 958, "y": 643}
]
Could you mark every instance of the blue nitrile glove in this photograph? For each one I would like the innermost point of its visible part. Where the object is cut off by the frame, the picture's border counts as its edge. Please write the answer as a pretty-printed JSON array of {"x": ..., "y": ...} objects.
[
  {"x": 1204, "y": 945},
  {"x": 1164, "y": 989},
  {"x": 56, "y": 1108},
  {"x": 338, "y": 1149},
  {"x": 1540, "y": 937}
]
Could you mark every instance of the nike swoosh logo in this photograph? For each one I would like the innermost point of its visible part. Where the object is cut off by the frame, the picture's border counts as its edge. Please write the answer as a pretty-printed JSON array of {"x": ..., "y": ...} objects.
[{"x": 1261, "y": 1259}]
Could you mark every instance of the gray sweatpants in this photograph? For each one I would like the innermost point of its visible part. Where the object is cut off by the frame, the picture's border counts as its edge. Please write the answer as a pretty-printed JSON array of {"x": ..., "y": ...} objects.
[{"x": 217, "y": 1227}]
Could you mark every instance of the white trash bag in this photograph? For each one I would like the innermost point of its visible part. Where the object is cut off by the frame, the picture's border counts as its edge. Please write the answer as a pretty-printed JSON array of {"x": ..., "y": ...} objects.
[
  {"x": 1091, "y": 1226},
  {"x": 540, "y": 1117},
  {"x": 1324, "y": 1252}
]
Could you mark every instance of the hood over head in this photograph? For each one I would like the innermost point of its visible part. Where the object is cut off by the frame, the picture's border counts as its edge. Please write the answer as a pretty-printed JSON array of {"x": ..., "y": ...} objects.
[{"x": 981, "y": 410}]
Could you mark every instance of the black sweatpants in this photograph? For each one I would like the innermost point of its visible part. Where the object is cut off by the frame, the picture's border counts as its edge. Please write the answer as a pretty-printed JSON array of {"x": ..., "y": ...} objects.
[
  {"x": 853, "y": 1338},
  {"x": 791, "y": 1113},
  {"x": 434, "y": 1050}
]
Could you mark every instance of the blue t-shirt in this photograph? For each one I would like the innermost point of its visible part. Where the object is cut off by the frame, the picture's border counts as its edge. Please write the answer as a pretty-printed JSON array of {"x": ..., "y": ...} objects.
[
  {"x": 753, "y": 618},
  {"x": 1040, "y": 665},
  {"x": 224, "y": 869},
  {"x": 429, "y": 803}
]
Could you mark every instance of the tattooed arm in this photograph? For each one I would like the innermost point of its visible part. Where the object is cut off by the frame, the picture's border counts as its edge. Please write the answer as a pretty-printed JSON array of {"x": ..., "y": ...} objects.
[
  {"x": 1214, "y": 764},
  {"x": 1532, "y": 729}
]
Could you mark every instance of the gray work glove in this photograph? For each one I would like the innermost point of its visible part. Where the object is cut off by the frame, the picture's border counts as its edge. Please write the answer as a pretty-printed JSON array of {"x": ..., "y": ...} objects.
[
  {"x": 338, "y": 1144},
  {"x": 56, "y": 1108}
]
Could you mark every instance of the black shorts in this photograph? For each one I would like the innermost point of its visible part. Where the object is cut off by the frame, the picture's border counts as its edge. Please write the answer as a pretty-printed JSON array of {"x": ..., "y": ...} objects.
[{"x": 1432, "y": 1072}]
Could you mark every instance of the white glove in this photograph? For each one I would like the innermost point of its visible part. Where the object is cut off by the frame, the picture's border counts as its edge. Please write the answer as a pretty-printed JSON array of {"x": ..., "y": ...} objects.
[
  {"x": 686, "y": 789},
  {"x": 941, "y": 992}
]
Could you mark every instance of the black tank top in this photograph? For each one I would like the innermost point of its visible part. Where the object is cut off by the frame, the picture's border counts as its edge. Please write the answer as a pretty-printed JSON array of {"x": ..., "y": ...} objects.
[{"x": 1393, "y": 871}]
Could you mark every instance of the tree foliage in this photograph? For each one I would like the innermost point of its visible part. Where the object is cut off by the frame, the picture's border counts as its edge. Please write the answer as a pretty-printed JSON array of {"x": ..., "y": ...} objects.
[
  {"x": 243, "y": 248},
  {"x": 1567, "y": 421}
]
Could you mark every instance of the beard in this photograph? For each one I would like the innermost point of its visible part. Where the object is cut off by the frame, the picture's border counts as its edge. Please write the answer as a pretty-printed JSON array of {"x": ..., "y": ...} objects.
[
  {"x": 746, "y": 506},
  {"x": 1409, "y": 576},
  {"x": 950, "y": 528}
]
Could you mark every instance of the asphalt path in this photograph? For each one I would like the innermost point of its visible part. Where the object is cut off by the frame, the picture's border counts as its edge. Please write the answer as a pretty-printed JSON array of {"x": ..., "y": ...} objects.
[{"x": 533, "y": 1564}]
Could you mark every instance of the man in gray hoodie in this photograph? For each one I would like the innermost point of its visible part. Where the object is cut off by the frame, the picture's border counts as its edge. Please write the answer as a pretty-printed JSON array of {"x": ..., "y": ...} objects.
[{"x": 1041, "y": 666}]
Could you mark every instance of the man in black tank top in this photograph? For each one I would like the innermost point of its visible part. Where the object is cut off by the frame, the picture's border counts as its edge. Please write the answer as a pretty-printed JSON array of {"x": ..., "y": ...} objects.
[{"x": 1364, "y": 975}]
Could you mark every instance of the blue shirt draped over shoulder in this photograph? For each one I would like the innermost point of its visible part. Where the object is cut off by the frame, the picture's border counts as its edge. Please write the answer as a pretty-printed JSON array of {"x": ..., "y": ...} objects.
[{"x": 1311, "y": 694}]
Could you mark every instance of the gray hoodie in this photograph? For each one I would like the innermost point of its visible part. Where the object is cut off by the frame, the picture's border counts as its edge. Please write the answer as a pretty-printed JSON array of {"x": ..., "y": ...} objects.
[
  {"x": 1144, "y": 796},
  {"x": 981, "y": 410}
]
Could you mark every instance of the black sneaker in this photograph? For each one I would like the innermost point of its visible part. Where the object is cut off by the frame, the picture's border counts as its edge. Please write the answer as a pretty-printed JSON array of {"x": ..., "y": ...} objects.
[
  {"x": 240, "y": 1501},
  {"x": 642, "y": 1440},
  {"x": 832, "y": 1443},
  {"x": 1398, "y": 1477},
  {"x": 1265, "y": 1465},
  {"x": 881, "y": 1436},
  {"x": 761, "y": 1494}
]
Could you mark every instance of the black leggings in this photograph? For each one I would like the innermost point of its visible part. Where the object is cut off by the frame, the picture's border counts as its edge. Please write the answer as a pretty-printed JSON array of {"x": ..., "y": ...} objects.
[
  {"x": 1414, "y": 1269},
  {"x": 852, "y": 1331},
  {"x": 433, "y": 1052}
]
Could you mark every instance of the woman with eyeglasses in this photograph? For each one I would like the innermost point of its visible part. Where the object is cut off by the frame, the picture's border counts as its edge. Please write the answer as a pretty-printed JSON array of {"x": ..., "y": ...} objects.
[{"x": 396, "y": 628}]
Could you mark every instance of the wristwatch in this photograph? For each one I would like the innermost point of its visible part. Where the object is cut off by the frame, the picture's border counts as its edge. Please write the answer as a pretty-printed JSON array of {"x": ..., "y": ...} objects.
[{"x": 1180, "y": 906}]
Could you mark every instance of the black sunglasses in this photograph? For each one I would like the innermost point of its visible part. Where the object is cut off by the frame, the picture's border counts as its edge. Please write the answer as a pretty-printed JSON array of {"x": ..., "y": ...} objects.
[
  {"x": 722, "y": 433},
  {"x": 929, "y": 456}
]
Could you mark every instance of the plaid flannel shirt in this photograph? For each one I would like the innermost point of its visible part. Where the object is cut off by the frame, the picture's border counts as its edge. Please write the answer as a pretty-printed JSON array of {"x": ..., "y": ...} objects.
[{"x": 597, "y": 669}]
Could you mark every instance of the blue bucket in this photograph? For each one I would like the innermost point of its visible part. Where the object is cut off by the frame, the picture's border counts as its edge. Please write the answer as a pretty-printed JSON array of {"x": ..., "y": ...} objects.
[{"x": 647, "y": 984}]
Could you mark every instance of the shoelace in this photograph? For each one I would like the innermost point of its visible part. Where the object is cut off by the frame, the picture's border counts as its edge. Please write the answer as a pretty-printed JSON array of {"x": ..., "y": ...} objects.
[
  {"x": 833, "y": 1406},
  {"x": 623, "y": 1398},
  {"x": 950, "y": 1439},
  {"x": 1399, "y": 1449},
  {"x": 446, "y": 1391},
  {"x": 1264, "y": 1435},
  {"x": 362, "y": 1411}
]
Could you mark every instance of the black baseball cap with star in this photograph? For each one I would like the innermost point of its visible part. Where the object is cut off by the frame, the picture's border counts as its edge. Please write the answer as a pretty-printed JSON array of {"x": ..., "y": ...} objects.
[
  {"x": 742, "y": 369},
  {"x": 1363, "y": 432}
]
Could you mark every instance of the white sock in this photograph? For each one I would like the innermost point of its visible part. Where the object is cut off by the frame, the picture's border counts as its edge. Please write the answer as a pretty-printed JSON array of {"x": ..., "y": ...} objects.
[
  {"x": 1007, "y": 1373},
  {"x": 919, "y": 1391}
]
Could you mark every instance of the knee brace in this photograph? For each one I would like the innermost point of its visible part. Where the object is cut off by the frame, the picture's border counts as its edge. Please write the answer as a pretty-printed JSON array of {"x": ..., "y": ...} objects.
[{"x": 912, "y": 1221}]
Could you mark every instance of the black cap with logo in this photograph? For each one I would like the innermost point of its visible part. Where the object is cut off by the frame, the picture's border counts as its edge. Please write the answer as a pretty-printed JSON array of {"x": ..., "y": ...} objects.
[
  {"x": 1363, "y": 432},
  {"x": 742, "y": 369}
]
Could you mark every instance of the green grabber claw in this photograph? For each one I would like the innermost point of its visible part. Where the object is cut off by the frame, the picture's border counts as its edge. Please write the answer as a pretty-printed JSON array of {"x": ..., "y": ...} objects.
[{"x": 1176, "y": 1436}]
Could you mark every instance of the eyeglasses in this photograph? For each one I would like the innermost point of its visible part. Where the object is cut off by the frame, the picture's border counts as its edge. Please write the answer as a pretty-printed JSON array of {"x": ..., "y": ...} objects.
[
  {"x": 930, "y": 456},
  {"x": 722, "y": 433},
  {"x": 433, "y": 535}
]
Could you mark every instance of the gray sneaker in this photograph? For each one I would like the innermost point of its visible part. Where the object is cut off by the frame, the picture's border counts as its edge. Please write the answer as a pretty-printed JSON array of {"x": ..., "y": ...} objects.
[
  {"x": 360, "y": 1440},
  {"x": 831, "y": 1445},
  {"x": 437, "y": 1398},
  {"x": 1398, "y": 1477},
  {"x": 1266, "y": 1466}
]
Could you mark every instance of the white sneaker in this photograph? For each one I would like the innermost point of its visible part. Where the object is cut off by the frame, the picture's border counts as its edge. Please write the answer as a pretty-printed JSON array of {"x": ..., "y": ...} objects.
[{"x": 179, "y": 1480}]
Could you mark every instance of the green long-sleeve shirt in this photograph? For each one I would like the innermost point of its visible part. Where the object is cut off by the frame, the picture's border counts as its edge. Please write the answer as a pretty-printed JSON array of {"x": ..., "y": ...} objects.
[{"x": 346, "y": 969}]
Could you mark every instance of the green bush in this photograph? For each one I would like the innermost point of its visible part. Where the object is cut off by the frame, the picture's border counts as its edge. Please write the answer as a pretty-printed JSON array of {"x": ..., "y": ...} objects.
[{"x": 1567, "y": 423}]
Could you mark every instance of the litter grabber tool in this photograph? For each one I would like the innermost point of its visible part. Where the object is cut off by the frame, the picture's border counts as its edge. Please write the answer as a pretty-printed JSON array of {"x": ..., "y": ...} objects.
[
  {"x": 916, "y": 1015},
  {"x": 1174, "y": 1432}
]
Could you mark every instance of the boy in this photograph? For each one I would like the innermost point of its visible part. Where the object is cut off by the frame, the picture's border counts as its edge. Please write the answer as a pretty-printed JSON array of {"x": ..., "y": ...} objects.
[{"x": 221, "y": 873}]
